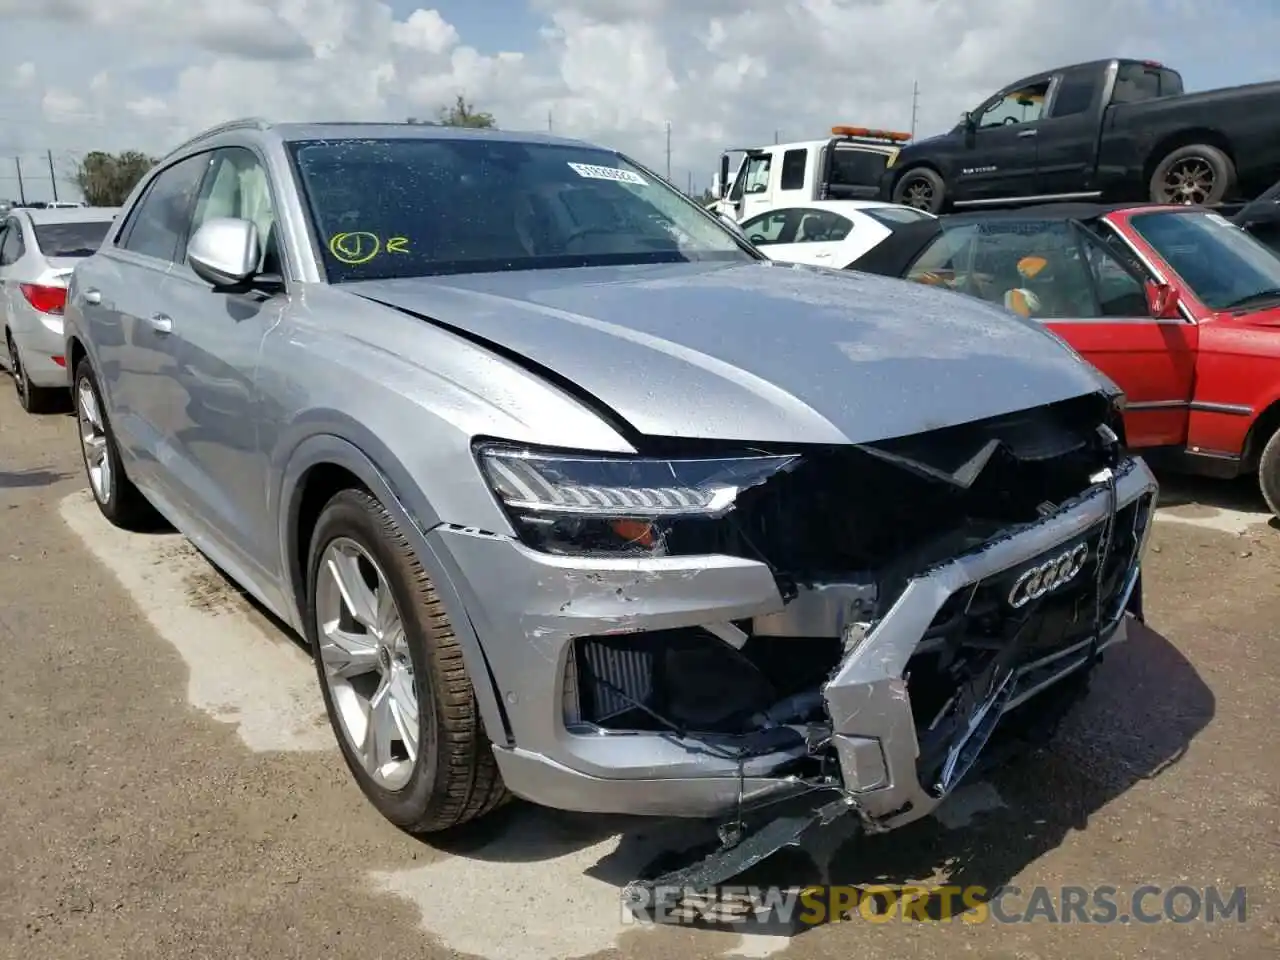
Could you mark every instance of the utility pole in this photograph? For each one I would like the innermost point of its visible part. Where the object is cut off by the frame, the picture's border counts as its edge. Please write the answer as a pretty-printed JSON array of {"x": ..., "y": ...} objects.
[
  {"x": 915, "y": 103},
  {"x": 668, "y": 151},
  {"x": 53, "y": 177},
  {"x": 775, "y": 136},
  {"x": 548, "y": 121},
  {"x": 22, "y": 193},
  {"x": 690, "y": 190}
]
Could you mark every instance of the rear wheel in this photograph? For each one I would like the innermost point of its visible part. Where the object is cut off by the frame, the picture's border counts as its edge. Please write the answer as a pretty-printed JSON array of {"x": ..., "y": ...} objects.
[
  {"x": 921, "y": 188},
  {"x": 119, "y": 500},
  {"x": 34, "y": 399},
  {"x": 392, "y": 675},
  {"x": 1269, "y": 473},
  {"x": 1194, "y": 174}
]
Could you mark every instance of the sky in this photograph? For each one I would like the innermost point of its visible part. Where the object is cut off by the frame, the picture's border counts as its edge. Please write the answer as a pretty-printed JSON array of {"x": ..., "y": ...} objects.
[{"x": 83, "y": 75}]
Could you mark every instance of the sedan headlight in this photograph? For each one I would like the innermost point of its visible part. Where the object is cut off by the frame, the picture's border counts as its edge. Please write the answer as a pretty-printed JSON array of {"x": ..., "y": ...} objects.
[{"x": 609, "y": 504}]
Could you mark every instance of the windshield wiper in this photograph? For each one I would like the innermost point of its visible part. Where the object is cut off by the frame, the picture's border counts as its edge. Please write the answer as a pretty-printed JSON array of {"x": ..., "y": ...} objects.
[{"x": 1254, "y": 298}]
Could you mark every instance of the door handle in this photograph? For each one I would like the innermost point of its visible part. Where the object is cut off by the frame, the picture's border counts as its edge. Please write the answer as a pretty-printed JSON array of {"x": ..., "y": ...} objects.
[
  {"x": 1028, "y": 133},
  {"x": 92, "y": 295},
  {"x": 822, "y": 256},
  {"x": 161, "y": 323}
]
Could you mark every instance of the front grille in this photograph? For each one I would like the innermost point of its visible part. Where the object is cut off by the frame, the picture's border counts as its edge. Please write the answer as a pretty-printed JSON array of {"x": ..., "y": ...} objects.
[
  {"x": 978, "y": 658},
  {"x": 1060, "y": 618}
]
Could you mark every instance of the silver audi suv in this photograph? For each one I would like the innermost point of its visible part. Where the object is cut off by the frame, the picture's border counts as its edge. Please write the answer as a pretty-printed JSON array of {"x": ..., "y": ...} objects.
[{"x": 576, "y": 495}]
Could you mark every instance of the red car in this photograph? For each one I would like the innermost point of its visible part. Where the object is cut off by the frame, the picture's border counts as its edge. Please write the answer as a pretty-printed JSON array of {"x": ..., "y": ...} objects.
[{"x": 1176, "y": 304}]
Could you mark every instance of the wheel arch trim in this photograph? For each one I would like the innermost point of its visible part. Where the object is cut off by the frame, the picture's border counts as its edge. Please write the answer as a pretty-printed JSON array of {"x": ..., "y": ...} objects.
[{"x": 330, "y": 450}]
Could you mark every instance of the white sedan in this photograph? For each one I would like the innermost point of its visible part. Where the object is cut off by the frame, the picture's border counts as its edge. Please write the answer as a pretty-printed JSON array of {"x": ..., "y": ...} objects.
[{"x": 827, "y": 233}]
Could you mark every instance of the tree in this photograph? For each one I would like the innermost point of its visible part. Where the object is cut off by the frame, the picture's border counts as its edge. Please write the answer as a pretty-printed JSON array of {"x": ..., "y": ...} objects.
[
  {"x": 463, "y": 114},
  {"x": 106, "y": 179}
]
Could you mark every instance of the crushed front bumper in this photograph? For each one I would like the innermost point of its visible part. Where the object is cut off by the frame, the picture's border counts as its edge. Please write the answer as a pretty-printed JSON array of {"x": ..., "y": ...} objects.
[{"x": 527, "y": 608}]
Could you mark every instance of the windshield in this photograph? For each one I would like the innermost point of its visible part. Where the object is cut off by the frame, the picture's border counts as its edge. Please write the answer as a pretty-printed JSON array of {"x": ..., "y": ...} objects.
[
  {"x": 71, "y": 239},
  {"x": 420, "y": 207},
  {"x": 1224, "y": 266}
]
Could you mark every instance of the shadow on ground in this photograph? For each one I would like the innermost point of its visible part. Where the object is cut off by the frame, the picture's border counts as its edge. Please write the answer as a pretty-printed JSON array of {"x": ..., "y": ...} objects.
[
  {"x": 1242, "y": 493},
  {"x": 17, "y": 479}
]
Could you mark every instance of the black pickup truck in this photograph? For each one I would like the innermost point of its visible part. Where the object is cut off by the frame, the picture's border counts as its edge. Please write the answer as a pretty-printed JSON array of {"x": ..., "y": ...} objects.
[{"x": 1121, "y": 130}]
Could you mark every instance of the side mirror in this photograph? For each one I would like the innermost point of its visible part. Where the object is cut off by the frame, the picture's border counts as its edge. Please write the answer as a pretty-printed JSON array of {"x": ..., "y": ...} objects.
[
  {"x": 967, "y": 119},
  {"x": 224, "y": 251},
  {"x": 722, "y": 186},
  {"x": 1162, "y": 300}
]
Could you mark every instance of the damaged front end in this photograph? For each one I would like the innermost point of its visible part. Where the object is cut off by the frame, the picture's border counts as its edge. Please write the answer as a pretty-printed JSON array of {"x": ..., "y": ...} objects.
[{"x": 933, "y": 589}]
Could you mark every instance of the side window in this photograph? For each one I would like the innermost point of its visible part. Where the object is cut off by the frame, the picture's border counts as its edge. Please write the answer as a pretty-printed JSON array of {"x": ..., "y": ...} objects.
[
  {"x": 1017, "y": 106},
  {"x": 777, "y": 226},
  {"x": 1136, "y": 82},
  {"x": 162, "y": 218},
  {"x": 1075, "y": 93},
  {"x": 1034, "y": 268},
  {"x": 822, "y": 226},
  {"x": 793, "y": 164},
  {"x": 945, "y": 262},
  {"x": 757, "y": 179},
  {"x": 12, "y": 248},
  {"x": 237, "y": 187},
  {"x": 1120, "y": 292},
  {"x": 856, "y": 168}
]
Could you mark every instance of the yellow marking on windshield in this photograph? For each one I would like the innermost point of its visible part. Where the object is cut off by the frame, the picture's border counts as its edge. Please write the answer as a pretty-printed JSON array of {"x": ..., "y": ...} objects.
[
  {"x": 355, "y": 247},
  {"x": 398, "y": 245}
]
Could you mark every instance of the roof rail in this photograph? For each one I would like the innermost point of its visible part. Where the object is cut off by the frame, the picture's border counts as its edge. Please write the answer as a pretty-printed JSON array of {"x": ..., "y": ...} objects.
[{"x": 253, "y": 123}]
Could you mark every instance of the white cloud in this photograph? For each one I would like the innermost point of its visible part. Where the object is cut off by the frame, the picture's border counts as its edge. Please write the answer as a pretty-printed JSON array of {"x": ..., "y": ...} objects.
[
  {"x": 24, "y": 74},
  {"x": 58, "y": 106},
  {"x": 146, "y": 73},
  {"x": 425, "y": 30}
]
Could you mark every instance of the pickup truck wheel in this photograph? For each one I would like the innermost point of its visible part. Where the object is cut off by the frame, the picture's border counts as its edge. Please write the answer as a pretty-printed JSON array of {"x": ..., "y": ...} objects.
[
  {"x": 391, "y": 673},
  {"x": 1269, "y": 473},
  {"x": 921, "y": 188},
  {"x": 1194, "y": 174}
]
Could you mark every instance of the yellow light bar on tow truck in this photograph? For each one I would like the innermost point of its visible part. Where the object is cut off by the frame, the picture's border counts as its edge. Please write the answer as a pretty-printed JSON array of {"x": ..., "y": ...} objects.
[{"x": 890, "y": 136}]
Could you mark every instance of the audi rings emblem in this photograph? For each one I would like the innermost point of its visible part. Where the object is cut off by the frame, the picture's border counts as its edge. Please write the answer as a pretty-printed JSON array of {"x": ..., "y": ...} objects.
[{"x": 1044, "y": 577}]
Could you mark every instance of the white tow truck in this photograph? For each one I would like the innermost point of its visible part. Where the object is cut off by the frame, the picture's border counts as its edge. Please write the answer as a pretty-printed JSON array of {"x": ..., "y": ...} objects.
[{"x": 845, "y": 166}]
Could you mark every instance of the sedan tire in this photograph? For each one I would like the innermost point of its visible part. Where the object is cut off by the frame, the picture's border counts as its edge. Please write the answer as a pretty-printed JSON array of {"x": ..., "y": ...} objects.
[
  {"x": 392, "y": 674},
  {"x": 1269, "y": 473},
  {"x": 34, "y": 399},
  {"x": 119, "y": 500}
]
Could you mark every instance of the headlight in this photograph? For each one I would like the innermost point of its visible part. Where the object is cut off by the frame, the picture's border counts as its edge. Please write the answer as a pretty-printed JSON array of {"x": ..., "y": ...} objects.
[{"x": 608, "y": 504}]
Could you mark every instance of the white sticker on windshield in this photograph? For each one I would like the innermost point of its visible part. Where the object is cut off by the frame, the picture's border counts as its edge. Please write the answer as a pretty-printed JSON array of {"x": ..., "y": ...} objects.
[
  {"x": 1219, "y": 219},
  {"x": 593, "y": 172}
]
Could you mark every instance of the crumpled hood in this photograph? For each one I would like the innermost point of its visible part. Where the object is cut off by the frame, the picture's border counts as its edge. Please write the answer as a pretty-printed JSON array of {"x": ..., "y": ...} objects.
[{"x": 761, "y": 352}]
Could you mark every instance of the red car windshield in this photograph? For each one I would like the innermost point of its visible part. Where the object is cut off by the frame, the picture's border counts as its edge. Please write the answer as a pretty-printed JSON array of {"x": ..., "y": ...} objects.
[{"x": 1224, "y": 266}]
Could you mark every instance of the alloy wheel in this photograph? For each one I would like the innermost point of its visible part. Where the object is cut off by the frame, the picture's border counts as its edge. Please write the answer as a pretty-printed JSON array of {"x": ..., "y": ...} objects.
[
  {"x": 93, "y": 440},
  {"x": 1189, "y": 181},
  {"x": 366, "y": 662},
  {"x": 918, "y": 194},
  {"x": 17, "y": 372}
]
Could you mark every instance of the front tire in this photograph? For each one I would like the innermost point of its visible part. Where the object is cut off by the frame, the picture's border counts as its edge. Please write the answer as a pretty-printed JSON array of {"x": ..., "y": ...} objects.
[
  {"x": 119, "y": 500},
  {"x": 392, "y": 675},
  {"x": 922, "y": 188},
  {"x": 1196, "y": 174},
  {"x": 1269, "y": 473}
]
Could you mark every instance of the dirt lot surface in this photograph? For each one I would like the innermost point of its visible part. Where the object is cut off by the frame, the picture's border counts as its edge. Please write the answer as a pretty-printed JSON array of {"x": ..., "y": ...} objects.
[{"x": 170, "y": 789}]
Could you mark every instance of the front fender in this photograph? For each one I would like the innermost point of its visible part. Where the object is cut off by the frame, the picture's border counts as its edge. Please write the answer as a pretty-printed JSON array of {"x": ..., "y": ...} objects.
[{"x": 404, "y": 501}]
